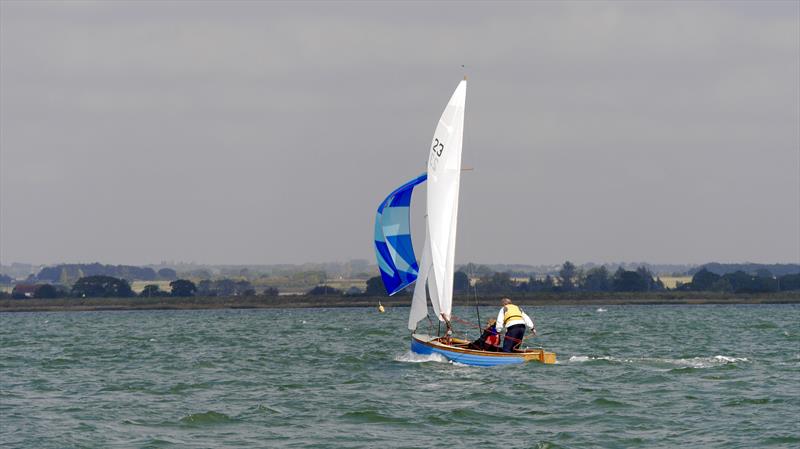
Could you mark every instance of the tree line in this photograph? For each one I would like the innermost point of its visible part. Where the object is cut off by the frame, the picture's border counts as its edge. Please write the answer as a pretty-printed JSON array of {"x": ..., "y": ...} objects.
[
  {"x": 569, "y": 278},
  {"x": 101, "y": 286},
  {"x": 66, "y": 273},
  {"x": 741, "y": 282},
  {"x": 763, "y": 270}
]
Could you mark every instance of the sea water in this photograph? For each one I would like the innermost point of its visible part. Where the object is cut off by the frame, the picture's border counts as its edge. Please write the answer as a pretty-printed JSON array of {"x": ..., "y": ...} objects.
[{"x": 627, "y": 376}]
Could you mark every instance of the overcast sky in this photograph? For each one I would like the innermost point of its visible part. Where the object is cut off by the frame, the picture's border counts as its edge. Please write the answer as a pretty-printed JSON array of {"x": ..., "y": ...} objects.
[{"x": 268, "y": 133}]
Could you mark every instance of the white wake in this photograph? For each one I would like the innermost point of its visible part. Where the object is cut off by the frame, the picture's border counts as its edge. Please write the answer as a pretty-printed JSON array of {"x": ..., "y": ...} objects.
[
  {"x": 413, "y": 357},
  {"x": 693, "y": 362}
]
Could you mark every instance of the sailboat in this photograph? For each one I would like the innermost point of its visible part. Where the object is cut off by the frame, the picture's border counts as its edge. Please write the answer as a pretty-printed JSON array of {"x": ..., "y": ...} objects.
[{"x": 434, "y": 272}]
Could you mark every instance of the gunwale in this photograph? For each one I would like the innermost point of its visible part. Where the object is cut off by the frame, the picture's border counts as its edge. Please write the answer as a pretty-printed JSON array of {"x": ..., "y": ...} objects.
[{"x": 526, "y": 355}]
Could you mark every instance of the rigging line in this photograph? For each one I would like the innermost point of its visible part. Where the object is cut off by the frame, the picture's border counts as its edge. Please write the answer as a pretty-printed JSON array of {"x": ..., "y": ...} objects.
[
  {"x": 475, "y": 289},
  {"x": 430, "y": 324}
]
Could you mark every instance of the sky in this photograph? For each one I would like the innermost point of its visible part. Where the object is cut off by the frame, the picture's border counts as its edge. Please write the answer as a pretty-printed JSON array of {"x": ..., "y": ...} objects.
[{"x": 265, "y": 132}]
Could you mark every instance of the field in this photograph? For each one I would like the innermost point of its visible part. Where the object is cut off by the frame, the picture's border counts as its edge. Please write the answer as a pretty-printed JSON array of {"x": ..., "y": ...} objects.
[
  {"x": 672, "y": 281},
  {"x": 138, "y": 286}
]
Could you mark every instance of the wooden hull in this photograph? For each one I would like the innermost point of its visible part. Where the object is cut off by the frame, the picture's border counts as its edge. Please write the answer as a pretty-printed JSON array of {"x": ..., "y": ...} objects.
[{"x": 457, "y": 352}]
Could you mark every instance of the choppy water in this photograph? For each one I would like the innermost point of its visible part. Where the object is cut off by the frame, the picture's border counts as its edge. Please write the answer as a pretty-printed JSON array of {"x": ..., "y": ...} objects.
[{"x": 628, "y": 376}]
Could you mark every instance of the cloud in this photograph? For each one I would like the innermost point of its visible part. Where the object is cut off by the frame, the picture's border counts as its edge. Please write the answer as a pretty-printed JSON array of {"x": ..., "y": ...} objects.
[{"x": 263, "y": 132}]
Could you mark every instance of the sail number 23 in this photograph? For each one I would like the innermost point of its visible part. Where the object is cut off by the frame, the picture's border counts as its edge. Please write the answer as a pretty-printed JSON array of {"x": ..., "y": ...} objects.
[{"x": 438, "y": 149}]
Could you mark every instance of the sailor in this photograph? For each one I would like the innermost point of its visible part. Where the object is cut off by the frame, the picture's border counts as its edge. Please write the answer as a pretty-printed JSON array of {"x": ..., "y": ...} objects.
[
  {"x": 489, "y": 339},
  {"x": 514, "y": 320}
]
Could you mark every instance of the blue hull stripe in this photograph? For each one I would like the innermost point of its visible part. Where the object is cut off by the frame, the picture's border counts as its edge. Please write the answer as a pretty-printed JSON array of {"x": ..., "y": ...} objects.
[{"x": 466, "y": 359}]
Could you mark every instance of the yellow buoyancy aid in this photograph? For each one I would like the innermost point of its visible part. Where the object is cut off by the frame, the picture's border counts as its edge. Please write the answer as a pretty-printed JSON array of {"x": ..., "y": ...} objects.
[{"x": 511, "y": 312}]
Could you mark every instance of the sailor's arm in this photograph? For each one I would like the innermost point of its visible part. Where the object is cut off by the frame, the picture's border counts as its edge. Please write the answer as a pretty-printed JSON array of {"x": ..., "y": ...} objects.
[
  {"x": 500, "y": 320},
  {"x": 529, "y": 322}
]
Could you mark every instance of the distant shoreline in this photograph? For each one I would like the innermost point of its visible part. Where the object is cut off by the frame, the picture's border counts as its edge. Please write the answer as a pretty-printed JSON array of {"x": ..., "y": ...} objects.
[{"x": 305, "y": 301}]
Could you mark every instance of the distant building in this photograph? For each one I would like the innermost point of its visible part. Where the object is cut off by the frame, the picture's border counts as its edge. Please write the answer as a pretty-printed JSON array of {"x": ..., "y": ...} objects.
[
  {"x": 22, "y": 291},
  {"x": 354, "y": 291}
]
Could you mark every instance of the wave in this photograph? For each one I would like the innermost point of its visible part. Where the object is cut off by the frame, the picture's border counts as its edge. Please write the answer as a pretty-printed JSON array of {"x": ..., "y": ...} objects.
[
  {"x": 373, "y": 417},
  {"x": 454, "y": 363},
  {"x": 413, "y": 357},
  {"x": 600, "y": 310},
  {"x": 265, "y": 409},
  {"x": 693, "y": 362},
  {"x": 207, "y": 418},
  {"x": 610, "y": 403}
]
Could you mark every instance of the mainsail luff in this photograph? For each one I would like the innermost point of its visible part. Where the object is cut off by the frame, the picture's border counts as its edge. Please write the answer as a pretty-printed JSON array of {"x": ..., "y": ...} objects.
[{"x": 419, "y": 302}]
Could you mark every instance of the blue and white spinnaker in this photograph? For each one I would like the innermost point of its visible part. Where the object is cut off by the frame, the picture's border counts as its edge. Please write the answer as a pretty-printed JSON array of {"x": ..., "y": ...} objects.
[{"x": 393, "y": 247}]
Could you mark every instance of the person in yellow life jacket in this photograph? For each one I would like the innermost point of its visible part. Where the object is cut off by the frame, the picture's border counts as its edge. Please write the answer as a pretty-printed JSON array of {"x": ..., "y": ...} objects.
[{"x": 514, "y": 320}]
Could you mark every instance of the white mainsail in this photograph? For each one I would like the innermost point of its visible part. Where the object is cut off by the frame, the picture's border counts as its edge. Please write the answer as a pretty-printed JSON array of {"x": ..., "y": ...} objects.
[
  {"x": 444, "y": 178},
  {"x": 419, "y": 303}
]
